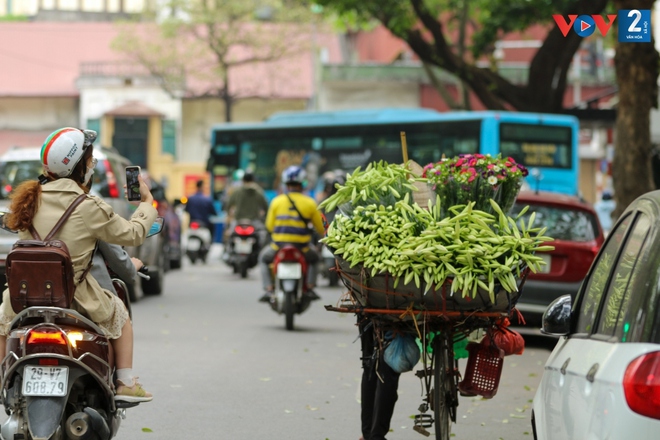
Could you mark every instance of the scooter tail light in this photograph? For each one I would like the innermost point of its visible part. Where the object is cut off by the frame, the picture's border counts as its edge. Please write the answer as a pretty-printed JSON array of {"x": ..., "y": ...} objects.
[
  {"x": 46, "y": 337},
  {"x": 288, "y": 254},
  {"x": 244, "y": 230},
  {"x": 641, "y": 385},
  {"x": 194, "y": 225},
  {"x": 48, "y": 361}
]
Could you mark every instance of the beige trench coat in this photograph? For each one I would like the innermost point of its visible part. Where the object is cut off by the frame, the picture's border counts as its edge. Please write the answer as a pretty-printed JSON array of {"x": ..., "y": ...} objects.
[{"x": 93, "y": 219}]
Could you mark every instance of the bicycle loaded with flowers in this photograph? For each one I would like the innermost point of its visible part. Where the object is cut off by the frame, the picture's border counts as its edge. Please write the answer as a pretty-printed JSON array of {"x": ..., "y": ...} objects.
[{"x": 432, "y": 251}]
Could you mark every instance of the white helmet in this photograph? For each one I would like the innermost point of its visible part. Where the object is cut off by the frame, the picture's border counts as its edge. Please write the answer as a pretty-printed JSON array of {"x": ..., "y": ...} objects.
[
  {"x": 294, "y": 175},
  {"x": 64, "y": 148}
]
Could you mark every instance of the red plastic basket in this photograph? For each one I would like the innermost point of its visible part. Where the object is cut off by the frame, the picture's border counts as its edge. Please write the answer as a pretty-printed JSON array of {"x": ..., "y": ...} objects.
[{"x": 483, "y": 371}]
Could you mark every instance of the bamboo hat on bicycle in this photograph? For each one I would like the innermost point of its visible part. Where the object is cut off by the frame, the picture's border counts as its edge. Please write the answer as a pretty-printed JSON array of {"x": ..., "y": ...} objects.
[
  {"x": 64, "y": 148},
  {"x": 294, "y": 175}
]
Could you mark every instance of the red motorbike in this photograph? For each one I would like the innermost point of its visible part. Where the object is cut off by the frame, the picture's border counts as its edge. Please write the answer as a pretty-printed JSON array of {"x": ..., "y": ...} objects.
[
  {"x": 58, "y": 377},
  {"x": 290, "y": 270}
]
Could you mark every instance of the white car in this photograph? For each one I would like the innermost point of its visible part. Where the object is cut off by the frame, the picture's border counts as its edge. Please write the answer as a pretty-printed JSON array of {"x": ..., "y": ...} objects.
[{"x": 602, "y": 380}]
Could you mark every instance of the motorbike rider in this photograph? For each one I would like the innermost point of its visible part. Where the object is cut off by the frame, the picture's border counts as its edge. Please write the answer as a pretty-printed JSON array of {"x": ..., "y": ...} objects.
[
  {"x": 200, "y": 208},
  {"x": 288, "y": 221},
  {"x": 113, "y": 256},
  {"x": 337, "y": 177},
  {"x": 247, "y": 202},
  {"x": 68, "y": 166}
]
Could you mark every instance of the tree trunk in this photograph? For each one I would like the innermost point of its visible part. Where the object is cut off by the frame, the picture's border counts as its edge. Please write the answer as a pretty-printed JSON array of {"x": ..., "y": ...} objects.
[
  {"x": 227, "y": 98},
  {"x": 636, "y": 67}
]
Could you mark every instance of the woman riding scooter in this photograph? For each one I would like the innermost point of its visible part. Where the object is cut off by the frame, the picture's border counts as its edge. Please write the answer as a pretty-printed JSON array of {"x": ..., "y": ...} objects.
[{"x": 68, "y": 163}]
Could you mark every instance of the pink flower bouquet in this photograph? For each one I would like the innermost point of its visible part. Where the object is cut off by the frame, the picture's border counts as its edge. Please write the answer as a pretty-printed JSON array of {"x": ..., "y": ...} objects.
[{"x": 476, "y": 178}]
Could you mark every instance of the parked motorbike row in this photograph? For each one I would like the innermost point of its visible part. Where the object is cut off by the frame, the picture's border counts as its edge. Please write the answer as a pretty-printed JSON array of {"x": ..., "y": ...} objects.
[{"x": 57, "y": 374}]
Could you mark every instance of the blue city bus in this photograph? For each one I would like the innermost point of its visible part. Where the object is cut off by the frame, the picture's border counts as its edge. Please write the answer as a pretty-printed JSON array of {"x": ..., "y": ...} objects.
[{"x": 547, "y": 144}]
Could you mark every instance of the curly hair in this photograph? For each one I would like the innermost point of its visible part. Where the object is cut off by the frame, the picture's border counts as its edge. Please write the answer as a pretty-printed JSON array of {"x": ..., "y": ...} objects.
[
  {"x": 26, "y": 198},
  {"x": 24, "y": 205}
]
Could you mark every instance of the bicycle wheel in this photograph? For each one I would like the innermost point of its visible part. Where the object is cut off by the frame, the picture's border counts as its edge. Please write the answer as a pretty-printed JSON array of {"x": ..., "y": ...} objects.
[{"x": 445, "y": 398}]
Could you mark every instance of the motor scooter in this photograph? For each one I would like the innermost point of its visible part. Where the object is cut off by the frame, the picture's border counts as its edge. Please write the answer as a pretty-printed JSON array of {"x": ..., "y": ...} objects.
[
  {"x": 290, "y": 270},
  {"x": 58, "y": 376},
  {"x": 198, "y": 241},
  {"x": 244, "y": 247}
]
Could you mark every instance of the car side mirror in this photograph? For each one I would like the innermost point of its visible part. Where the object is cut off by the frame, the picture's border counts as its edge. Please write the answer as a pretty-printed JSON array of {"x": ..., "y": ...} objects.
[
  {"x": 2, "y": 224},
  {"x": 157, "y": 227},
  {"x": 557, "y": 317}
]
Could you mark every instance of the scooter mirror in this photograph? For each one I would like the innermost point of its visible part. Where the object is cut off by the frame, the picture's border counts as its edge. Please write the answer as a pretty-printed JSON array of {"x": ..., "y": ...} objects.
[
  {"x": 2, "y": 223},
  {"x": 157, "y": 227}
]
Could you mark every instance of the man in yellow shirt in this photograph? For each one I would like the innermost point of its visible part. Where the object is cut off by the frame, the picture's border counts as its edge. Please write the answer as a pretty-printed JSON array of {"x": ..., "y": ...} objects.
[{"x": 287, "y": 220}]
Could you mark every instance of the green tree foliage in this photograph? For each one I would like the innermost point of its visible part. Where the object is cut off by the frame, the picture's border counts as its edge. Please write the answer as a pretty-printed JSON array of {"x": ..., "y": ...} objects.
[
  {"x": 201, "y": 41},
  {"x": 426, "y": 26}
]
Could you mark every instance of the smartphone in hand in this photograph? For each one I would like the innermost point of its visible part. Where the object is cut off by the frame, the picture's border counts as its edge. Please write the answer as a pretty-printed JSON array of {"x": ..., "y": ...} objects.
[{"x": 133, "y": 184}]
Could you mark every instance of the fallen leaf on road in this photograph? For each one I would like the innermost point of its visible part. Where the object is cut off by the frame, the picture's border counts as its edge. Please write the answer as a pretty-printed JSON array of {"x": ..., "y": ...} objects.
[
  {"x": 311, "y": 408},
  {"x": 265, "y": 379},
  {"x": 146, "y": 430}
]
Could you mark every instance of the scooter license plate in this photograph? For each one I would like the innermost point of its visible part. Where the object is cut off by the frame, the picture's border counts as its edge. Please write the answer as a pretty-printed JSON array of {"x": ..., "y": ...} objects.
[
  {"x": 243, "y": 245},
  {"x": 194, "y": 245},
  {"x": 40, "y": 380},
  {"x": 289, "y": 271}
]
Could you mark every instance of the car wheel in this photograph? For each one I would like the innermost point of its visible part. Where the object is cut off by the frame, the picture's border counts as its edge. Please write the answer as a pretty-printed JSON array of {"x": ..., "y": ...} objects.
[
  {"x": 154, "y": 285},
  {"x": 175, "y": 256},
  {"x": 175, "y": 264}
]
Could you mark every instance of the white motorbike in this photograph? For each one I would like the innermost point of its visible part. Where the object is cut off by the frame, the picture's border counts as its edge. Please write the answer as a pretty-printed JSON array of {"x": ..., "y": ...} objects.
[{"x": 198, "y": 242}]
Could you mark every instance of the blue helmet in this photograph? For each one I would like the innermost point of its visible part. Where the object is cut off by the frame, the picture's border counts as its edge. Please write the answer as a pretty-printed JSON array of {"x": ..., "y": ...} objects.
[{"x": 294, "y": 175}]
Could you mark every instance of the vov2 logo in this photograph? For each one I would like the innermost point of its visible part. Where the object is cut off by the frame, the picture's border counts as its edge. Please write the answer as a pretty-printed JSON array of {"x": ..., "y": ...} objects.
[{"x": 634, "y": 25}]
